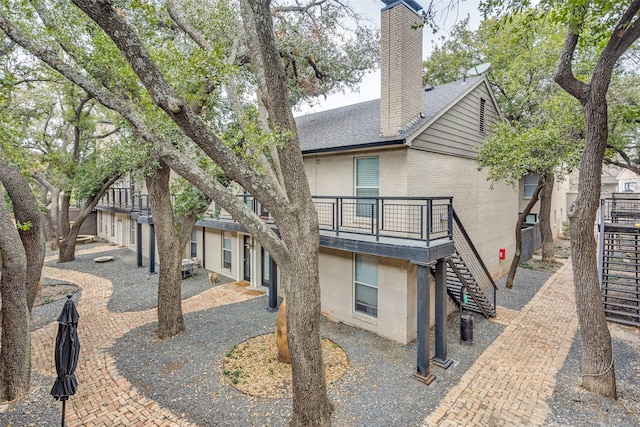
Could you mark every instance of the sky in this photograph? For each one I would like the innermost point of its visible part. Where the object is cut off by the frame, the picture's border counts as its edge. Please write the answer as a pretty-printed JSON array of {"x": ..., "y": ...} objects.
[{"x": 370, "y": 87}]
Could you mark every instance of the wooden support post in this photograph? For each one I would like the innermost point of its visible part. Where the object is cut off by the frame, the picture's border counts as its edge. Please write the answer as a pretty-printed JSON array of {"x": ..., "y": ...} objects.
[
  {"x": 440, "y": 359},
  {"x": 423, "y": 373}
]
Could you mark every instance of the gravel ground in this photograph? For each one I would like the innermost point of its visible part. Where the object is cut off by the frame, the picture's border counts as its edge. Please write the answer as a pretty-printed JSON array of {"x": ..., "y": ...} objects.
[{"x": 184, "y": 373}]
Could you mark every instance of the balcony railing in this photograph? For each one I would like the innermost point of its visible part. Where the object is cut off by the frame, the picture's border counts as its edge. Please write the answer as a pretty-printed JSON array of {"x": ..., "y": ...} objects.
[
  {"x": 622, "y": 208},
  {"x": 410, "y": 218},
  {"x": 125, "y": 198}
]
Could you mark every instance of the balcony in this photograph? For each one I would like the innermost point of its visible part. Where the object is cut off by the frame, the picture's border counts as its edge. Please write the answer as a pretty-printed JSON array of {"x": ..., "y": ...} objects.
[
  {"x": 394, "y": 221},
  {"x": 124, "y": 199}
]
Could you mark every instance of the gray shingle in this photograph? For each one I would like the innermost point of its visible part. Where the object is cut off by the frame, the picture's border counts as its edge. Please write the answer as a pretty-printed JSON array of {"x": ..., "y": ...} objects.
[{"x": 359, "y": 124}]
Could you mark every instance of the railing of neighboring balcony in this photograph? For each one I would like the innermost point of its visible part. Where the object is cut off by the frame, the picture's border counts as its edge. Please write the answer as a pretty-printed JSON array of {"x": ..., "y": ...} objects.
[
  {"x": 125, "y": 198},
  {"x": 411, "y": 218}
]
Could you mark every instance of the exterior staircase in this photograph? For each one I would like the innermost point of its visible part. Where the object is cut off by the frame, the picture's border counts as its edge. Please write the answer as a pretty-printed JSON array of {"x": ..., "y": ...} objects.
[
  {"x": 619, "y": 259},
  {"x": 466, "y": 271}
]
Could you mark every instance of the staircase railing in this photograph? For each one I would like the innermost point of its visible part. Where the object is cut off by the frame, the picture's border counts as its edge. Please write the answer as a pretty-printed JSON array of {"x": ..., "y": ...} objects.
[{"x": 470, "y": 256}]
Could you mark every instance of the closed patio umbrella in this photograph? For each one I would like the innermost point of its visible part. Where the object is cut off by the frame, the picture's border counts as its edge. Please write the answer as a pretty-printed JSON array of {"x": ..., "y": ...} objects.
[{"x": 66, "y": 353}]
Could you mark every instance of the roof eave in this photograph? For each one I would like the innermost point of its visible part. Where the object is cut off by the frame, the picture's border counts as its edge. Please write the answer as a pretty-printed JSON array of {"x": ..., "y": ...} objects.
[{"x": 366, "y": 146}]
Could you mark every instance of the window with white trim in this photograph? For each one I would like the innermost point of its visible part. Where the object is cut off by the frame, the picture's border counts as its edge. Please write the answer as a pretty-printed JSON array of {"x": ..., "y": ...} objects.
[
  {"x": 113, "y": 225},
  {"x": 530, "y": 182},
  {"x": 193, "y": 252},
  {"x": 226, "y": 251},
  {"x": 133, "y": 231},
  {"x": 367, "y": 184},
  {"x": 366, "y": 285},
  {"x": 100, "y": 225}
]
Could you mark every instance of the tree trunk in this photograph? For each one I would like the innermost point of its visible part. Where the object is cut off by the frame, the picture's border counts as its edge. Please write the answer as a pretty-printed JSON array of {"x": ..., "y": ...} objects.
[
  {"x": 548, "y": 251},
  {"x": 598, "y": 372},
  {"x": 67, "y": 245},
  {"x": 15, "y": 351},
  {"x": 311, "y": 406},
  {"x": 26, "y": 210},
  {"x": 523, "y": 216},
  {"x": 282, "y": 341},
  {"x": 172, "y": 239},
  {"x": 55, "y": 215}
]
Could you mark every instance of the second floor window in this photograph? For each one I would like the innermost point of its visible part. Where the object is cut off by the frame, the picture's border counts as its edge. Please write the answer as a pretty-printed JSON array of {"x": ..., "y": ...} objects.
[
  {"x": 530, "y": 182},
  {"x": 367, "y": 184}
]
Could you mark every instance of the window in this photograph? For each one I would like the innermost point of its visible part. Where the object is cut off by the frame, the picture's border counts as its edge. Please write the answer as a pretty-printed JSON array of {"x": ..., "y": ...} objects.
[
  {"x": 193, "y": 253},
  {"x": 629, "y": 187},
  {"x": 531, "y": 219},
  {"x": 113, "y": 225},
  {"x": 530, "y": 184},
  {"x": 482, "y": 105},
  {"x": 366, "y": 285},
  {"x": 100, "y": 229},
  {"x": 367, "y": 184},
  {"x": 133, "y": 230},
  {"x": 226, "y": 251},
  {"x": 266, "y": 268}
]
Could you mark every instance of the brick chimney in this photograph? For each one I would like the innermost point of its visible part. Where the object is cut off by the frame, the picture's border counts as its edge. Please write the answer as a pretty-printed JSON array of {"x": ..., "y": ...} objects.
[{"x": 401, "y": 66}]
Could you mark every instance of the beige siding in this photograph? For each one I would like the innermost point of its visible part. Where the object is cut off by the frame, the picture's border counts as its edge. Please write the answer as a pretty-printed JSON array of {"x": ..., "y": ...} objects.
[
  {"x": 489, "y": 216},
  {"x": 457, "y": 132}
]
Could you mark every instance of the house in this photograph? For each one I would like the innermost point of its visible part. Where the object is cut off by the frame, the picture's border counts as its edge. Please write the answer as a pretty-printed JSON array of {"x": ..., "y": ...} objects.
[
  {"x": 393, "y": 181},
  {"x": 559, "y": 205}
]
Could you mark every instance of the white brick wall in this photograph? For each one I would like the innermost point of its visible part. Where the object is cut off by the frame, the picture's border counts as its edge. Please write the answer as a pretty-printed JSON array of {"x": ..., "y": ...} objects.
[{"x": 401, "y": 69}]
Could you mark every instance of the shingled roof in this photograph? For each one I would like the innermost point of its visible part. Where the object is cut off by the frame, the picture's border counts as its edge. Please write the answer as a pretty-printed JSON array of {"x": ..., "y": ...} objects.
[{"x": 358, "y": 125}]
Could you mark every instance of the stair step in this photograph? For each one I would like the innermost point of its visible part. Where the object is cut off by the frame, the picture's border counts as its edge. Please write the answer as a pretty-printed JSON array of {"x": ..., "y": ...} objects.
[
  {"x": 621, "y": 313},
  {"x": 613, "y": 305},
  {"x": 623, "y": 321}
]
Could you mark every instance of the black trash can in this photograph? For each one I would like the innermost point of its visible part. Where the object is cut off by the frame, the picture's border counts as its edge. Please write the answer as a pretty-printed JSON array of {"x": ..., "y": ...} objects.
[{"x": 466, "y": 328}]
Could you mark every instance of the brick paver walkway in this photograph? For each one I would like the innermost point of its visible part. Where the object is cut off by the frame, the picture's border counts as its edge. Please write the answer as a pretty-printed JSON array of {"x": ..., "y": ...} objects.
[
  {"x": 511, "y": 381},
  {"x": 106, "y": 398},
  {"x": 508, "y": 385}
]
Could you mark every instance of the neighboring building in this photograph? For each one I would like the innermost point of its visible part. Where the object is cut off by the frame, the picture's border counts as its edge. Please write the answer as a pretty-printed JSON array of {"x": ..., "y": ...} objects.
[
  {"x": 409, "y": 157},
  {"x": 628, "y": 182},
  {"x": 558, "y": 201}
]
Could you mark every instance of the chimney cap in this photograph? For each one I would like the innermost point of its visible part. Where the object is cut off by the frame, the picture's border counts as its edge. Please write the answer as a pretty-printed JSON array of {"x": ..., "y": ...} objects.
[{"x": 411, "y": 3}]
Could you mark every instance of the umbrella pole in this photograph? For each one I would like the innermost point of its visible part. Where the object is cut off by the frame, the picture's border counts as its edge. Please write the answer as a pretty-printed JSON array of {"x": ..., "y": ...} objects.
[{"x": 64, "y": 404}]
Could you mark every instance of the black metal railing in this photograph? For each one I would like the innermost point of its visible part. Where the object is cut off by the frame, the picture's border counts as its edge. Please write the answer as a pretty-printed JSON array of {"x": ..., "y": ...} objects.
[
  {"x": 467, "y": 253},
  {"x": 412, "y": 218},
  {"x": 125, "y": 198},
  {"x": 621, "y": 209}
]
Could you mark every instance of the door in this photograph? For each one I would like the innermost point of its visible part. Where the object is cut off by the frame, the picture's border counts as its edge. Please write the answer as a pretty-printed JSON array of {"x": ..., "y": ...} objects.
[
  {"x": 266, "y": 264},
  {"x": 247, "y": 258}
]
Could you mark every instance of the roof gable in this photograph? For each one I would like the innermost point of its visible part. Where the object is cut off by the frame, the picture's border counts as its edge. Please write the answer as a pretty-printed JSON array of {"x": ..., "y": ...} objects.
[{"x": 358, "y": 125}]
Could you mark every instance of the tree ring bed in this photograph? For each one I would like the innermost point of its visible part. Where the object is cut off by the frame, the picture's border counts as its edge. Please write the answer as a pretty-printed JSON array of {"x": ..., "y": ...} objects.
[{"x": 253, "y": 367}]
